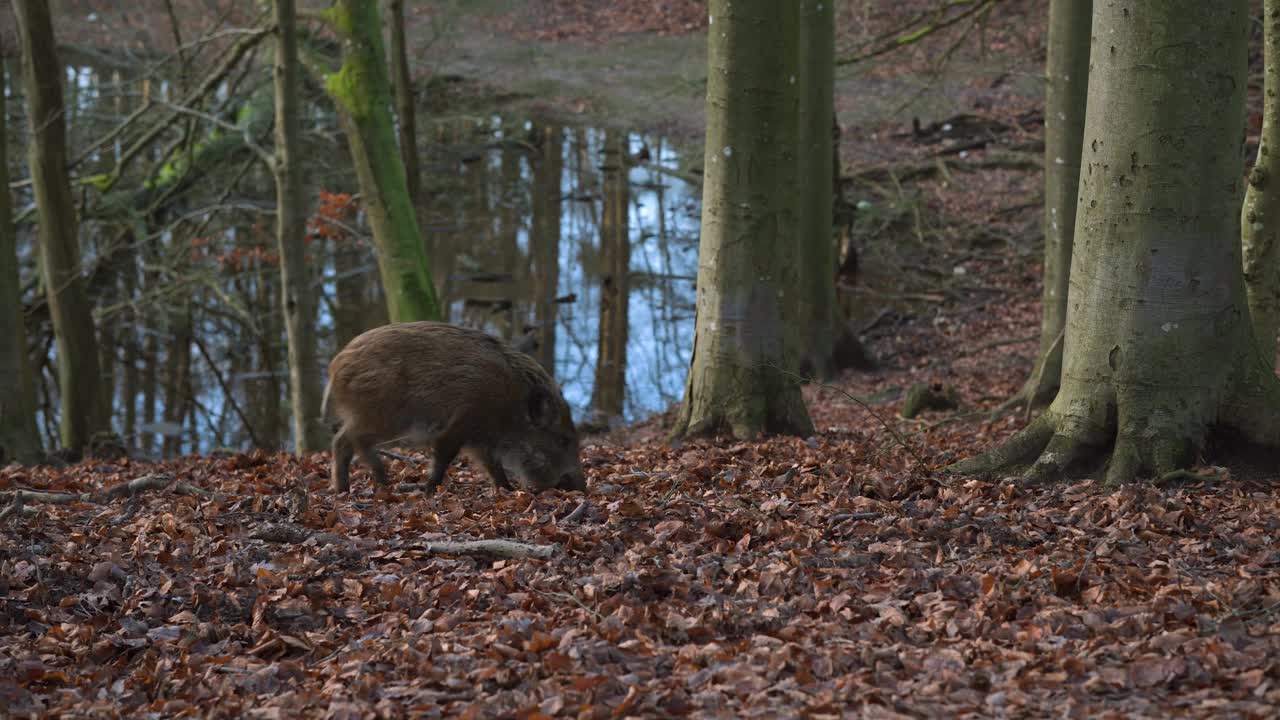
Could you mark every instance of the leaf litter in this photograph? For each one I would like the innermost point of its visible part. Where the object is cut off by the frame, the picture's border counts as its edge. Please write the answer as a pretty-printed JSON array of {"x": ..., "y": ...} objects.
[{"x": 826, "y": 577}]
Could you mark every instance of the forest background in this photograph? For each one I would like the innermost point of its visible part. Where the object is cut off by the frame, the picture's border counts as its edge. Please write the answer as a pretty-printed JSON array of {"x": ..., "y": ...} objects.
[{"x": 813, "y": 574}]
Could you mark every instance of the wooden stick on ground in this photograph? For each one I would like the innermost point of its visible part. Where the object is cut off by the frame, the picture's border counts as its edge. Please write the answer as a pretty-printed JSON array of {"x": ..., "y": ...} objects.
[
  {"x": 137, "y": 486},
  {"x": 506, "y": 549}
]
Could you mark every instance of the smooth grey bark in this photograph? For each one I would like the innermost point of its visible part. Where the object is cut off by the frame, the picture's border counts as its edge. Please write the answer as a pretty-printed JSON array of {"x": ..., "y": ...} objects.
[
  {"x": 1159, "y": 346},
  {"x": 299, "y": 302},
  {"x": 1066, "y": 95},
  {"x": 829, "y": 343},
  {"x": 746, "y": 341},
  {"x": 83, "y": 403},
  {"x": 1261, "y": 220},
  {"x": 19, "y": 434}
]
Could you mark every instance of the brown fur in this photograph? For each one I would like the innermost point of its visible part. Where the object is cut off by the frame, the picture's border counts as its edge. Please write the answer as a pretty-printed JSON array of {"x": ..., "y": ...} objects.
[{"x": 450, "y": 388}]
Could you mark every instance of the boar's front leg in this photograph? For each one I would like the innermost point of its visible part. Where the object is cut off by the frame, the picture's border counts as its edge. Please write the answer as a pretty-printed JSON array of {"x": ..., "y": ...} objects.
[
  {"x": 369, "y": 454},
  {"x": 494, "y": 468}
]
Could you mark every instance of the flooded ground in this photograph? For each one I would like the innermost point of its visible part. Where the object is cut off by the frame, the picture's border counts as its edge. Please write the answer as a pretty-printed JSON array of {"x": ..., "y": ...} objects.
[{"x": 577, "y": 244}]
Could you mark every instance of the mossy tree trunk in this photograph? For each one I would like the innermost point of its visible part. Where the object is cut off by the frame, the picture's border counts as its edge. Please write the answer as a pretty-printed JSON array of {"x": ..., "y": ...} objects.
[
  {"x": 83, "y": 407},
  {"x": 1159, "y": 345},
  {"x": 830, "y": 345},
  {"x": 299, "y": 300},
  {"x": 746, "y": 342},
  {"x": 608, "y": 393},
  {"x": 19, "y": 435},
  {"x": 1261, "y": 221},
  {"x": 1066, "y": 94},
  {"x": 362, "y": 93}
]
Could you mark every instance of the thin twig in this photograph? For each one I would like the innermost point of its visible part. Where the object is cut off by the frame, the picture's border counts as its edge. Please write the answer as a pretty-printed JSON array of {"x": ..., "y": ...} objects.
[
  {"x": 573, "y": 516},
  {"x": 841, "y": 517}
]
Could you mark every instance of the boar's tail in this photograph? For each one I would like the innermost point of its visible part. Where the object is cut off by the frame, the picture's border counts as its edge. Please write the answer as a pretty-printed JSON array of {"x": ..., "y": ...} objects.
[{"x": 324, "y": 402}]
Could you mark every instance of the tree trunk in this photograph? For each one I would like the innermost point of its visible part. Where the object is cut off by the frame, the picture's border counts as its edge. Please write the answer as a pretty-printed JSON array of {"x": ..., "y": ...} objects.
[
  {"x": 402, "y": 84},
  {"x": 829, "y": 343},
  {"x": 19, "y": 434},
  {"x": 361, "y": 91},
  {"x": 150, "y": 383},
  {"x": 746, "y": 334},
  {"x": 349, "y": 295},
  {"x": 1261, "y": 222},
  {"x": 1159, "y": 346},
  {"x": 509, "y": 225},
  {"x": 268, "y": 421},
  {"x": 1066, "y": 95},
  {"x": 295, "y": 277},
  {"x": 544, "y": 239},
  {"x": 177, "y": 381},
  {"x": 608, "y": 394},
  {"x": 83, "y": 408}
]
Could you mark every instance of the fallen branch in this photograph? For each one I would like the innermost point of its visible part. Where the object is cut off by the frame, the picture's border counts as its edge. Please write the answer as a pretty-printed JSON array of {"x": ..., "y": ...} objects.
[
  {"x": 841, "y": 517},
  {"x": 156, "y": 481},
  {"x": 14, "y": 508},
  {"x": 573, "y": 516},
  {"x": 506, "y": 549}
]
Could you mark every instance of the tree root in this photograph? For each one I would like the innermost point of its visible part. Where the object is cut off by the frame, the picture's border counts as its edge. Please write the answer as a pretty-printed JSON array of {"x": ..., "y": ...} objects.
[
  {"x": 1020, "y": 449},
  {"x": 1038, "y": 389},
  {"x": 1053, "y": 445}
]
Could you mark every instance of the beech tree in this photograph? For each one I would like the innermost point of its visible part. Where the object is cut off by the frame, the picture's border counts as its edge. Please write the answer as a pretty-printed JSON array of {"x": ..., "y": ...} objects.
[
  {"x": 299, "y": 302},
  {"x": 1066, "y": 93},
  {"x": 1159, "y": 345},
  {"x": 746, "y": 336},
  {"x": 19, "y": 436},
  {"x": 81, "y": 397},
  {"x": 829, "y": 344}
]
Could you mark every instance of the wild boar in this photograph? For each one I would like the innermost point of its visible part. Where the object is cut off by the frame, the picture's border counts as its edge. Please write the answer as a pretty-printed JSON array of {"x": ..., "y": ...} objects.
[{"x": 452, "y": 389}]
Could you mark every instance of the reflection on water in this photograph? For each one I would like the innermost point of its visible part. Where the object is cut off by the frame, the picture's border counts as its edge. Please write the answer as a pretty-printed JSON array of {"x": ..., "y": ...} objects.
[{"x": 567, "y": 241}]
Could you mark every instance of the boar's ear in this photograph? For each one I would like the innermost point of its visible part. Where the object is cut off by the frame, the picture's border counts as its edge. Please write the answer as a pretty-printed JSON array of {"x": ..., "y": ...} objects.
[{"x": 541, "y": 406}]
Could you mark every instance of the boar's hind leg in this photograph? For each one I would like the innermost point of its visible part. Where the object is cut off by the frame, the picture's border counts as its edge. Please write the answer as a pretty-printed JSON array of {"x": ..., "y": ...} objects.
[
  {"x": 369, "y": 454},
  {"x": 495, "y": 470},
  {"x": 446, "y": 450},
  {"x": 340, "y": 479}
]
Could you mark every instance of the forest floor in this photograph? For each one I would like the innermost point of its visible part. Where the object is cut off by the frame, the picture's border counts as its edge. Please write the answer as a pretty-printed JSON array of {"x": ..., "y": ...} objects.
[{"x": 838, "y": 575}]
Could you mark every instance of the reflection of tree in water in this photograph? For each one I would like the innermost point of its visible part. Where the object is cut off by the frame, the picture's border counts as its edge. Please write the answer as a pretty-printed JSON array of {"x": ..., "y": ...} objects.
[{"x": 513, "y": 216}]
